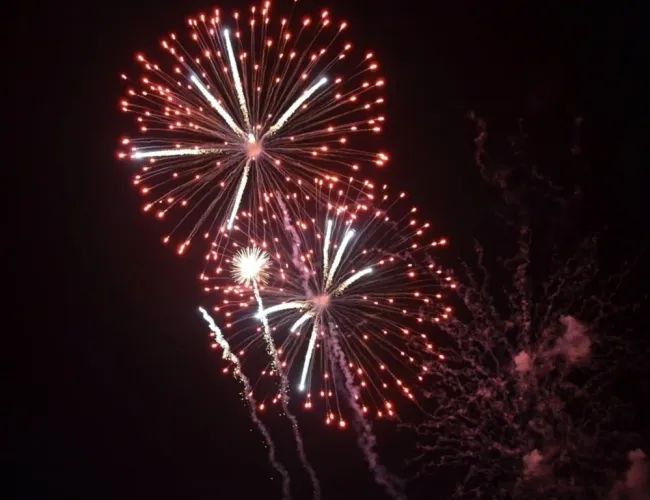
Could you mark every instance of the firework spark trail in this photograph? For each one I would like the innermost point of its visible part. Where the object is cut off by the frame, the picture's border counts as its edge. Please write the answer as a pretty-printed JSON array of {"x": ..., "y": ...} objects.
[
  {"x": 138, "y": 155},
  {"x": 281, "y": 307},
  {"x": 284, "y": 390},
  {"x": 355, "y": 277},
  {"x": 305, "y": 317},
  {"x": 294, "y": 107},
  {"x": 326, "y": 246},
  {"x": 338, "y": 256},
  {"x": 248, "y": 392},
  {"x": 240, "y": 193},
  {"x": 235, "y": 73},
  {"x": 216, "y": 105},
  {"x": 366, "y": 439},
  {"x": 309, "y": 354}
]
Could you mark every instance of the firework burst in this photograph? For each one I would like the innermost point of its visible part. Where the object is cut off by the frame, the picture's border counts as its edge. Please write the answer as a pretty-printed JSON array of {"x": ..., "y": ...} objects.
[
  {"x": 252, "y": 105},
  {"x": 349, "y": 277},
  {"x": 250, "y": 266}
]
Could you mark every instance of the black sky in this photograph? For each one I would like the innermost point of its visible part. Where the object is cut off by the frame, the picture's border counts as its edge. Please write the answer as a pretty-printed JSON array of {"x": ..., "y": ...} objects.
[{"x": 119, "y": 395}]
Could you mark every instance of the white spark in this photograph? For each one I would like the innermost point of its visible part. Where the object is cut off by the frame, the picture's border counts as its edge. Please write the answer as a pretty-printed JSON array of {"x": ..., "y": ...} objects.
[
  {"x": 174, "y": 152},
  {"x": 216, "y": 105},
  {"x": 337, "y": 258},
  {"x": 352, "y": 279},
  {"x": 309, "y": 355},
  {"x": 284, "y": 306},
  {"x": 240, "y": 194},
  {"x": 294, "y": 107},
  {"x": 300, "y": 321},
  {"x": 235, "y": 74}
]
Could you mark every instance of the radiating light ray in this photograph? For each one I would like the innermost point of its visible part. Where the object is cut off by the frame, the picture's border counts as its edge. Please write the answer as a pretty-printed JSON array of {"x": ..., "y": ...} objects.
[
  {"x": 294, "y": 107},
  {"x": 308, "y": 356},
  {"x": 283, "y": 307},
  {"x": 341, "y": 288},
  {"x": 326, "y": 247},
  {"x": 216, "y": 105},
  {"x": 235, "y": 75},
  {"x": 240, "y": 193},
  {"x": 300, "y": 321},
  {"x": 174, "y": 152},
  {"x": 337, "y": 257}
]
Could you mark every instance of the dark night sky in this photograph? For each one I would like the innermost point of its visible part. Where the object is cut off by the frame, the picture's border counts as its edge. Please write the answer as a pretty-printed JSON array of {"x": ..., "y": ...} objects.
[{"x": 120, "y": 396}]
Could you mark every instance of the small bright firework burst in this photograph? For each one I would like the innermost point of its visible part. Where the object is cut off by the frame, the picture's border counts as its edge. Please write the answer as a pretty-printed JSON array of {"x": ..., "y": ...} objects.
[
  {"x": 353, "y": 299},
  {"x": 252, "y": 105},
  {"x": 250, "y": 265}
]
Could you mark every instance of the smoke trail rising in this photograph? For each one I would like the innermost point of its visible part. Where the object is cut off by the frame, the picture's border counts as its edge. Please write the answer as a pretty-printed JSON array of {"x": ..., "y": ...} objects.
[
  {"x": 299, "y": 444},
  {"x": 295, "y": 247},
  {"x": 284, "y": 398},
  {"x": 248, "y": 393},
  {"x": 366, "y": 439}
]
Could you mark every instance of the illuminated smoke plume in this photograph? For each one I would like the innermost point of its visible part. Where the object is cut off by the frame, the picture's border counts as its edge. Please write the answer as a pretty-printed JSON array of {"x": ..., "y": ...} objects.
[
  {"x": 636, "y": 484},
  {"x": 527, "y": 403}
]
